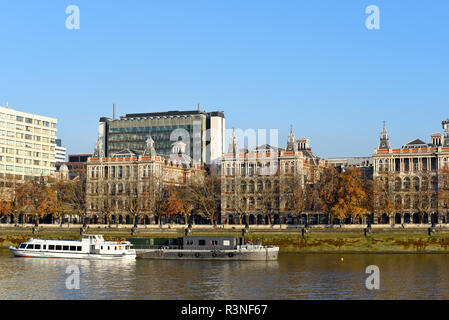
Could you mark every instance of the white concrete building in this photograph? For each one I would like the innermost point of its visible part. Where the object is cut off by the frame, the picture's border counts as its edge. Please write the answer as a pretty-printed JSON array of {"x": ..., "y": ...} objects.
[
  {"x": 60, "y": 152},
  {"x": 27, "y": 144}
]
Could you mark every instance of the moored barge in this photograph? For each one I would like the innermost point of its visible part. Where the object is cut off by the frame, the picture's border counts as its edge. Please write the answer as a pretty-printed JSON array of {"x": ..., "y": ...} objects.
[{"x": 204, "y": 248}]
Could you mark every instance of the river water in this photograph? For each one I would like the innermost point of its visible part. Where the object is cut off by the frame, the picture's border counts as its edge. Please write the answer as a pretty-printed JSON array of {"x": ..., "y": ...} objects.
[{"x": 293, "y": 276}]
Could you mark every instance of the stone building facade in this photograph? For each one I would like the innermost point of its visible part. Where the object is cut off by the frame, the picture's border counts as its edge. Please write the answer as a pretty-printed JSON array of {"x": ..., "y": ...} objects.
[
  {"x": 415, "y": 177},
  {"x": 252, "y": 180},
  {"x": 114, "y": 182}
]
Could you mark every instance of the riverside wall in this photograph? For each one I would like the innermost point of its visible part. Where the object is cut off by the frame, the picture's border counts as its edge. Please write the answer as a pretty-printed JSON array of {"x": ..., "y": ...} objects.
[{"x": 291, "y": 239}]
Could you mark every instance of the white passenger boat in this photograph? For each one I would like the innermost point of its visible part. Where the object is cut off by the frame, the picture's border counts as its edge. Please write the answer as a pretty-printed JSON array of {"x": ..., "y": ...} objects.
[{"x": 89, "y": 247}]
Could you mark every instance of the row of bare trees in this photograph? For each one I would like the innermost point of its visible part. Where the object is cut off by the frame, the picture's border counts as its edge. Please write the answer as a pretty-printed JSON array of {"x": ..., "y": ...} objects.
[
  {"x": 425, "y": 193},
  {"x": 158, "y": 198},
  {"x": 41, "y": 198},
  {"x": 340, "y": 195}
]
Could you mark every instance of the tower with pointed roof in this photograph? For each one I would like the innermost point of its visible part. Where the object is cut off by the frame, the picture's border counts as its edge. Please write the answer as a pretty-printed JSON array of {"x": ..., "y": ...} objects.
[
  {"x": 446, "y": 133},
  {"x": 233, "y": 148},
  {"x": 292, "y": 146},
  {"x": 149, "y": 147},
  {"x": 384, "y": 142}
]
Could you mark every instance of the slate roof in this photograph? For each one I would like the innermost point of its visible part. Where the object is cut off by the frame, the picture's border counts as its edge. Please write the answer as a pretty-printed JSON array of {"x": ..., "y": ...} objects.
[{"x": 415, "y": 142}]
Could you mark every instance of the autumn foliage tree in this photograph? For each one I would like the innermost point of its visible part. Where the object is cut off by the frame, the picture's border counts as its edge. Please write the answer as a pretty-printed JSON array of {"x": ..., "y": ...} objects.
[{"x": 351, "y": 195}]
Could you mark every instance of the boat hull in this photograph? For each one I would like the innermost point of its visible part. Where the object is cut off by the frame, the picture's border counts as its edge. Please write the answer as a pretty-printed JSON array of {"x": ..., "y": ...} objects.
[
  {"x": 56, "y": 255},
  {"x": 263, "y": 254}
]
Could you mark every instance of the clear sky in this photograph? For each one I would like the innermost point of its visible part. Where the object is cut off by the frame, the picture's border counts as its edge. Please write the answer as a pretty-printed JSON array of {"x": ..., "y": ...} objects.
[{"x": 266, "y": 64}]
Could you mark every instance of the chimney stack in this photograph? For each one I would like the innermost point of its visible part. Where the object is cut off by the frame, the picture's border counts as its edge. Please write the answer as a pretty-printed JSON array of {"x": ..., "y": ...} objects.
[
  {"x": 437, "y": 139},
  {"x": 113, "y": 111}
]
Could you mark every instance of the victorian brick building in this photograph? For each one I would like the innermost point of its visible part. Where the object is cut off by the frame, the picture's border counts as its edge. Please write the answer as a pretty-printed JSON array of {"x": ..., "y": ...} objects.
[
  {"x": 117, "y": 186},
  {"x": 252, "y": 180},
  {"x": 412, "y": 181}
]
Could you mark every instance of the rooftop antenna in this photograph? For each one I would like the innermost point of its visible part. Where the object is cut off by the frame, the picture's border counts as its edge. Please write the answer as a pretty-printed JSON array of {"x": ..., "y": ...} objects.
[
  {"x": 113, "y": 111},
  {"x": 199, "y": 109}
]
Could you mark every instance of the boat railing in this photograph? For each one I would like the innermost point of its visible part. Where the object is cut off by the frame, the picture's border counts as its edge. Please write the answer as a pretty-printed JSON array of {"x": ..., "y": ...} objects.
[
  {"x": 178, "y": 247},
  {"x": 147, "y": 246}
]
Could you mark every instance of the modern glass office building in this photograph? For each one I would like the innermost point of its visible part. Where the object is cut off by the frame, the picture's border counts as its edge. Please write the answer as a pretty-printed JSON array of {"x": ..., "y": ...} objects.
[
  {"x": 27, "y": 144},
  {"x": 203, "y": 133}
]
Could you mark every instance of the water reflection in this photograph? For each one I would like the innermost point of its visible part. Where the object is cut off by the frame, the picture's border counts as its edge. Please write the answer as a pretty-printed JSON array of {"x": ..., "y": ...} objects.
[{"x": 293, "y": 276}]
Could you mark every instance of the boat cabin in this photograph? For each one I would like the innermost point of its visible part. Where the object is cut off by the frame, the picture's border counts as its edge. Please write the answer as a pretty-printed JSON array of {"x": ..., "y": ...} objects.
[{"x": 211, "y": 243}]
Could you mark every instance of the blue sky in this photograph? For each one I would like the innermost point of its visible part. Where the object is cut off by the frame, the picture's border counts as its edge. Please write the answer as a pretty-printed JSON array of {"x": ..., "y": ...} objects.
[{"x": 266, "y": 64}]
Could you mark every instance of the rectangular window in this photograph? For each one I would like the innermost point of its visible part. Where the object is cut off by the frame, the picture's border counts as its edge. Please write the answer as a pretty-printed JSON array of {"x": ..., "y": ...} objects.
[
  {"x": 44, "y": 246},
  {"x": 72, "y": 248},
  {"x": 201, "y": 242},
  {"x": 23, "y": 246},
  {"x": 65, "y": 248},
  {"x": 226, "y": 242},
  {"x": 37, "y": 247},
  {"x": 51, "y": 247},
  {"x": 30, "y": 246},
  {"x": 58, "y": 247},
  {"x": 78, "y": 248}
]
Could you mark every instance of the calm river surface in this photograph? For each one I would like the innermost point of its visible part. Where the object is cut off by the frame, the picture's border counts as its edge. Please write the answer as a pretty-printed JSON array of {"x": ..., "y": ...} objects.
[{"x": 293, "y": 276}]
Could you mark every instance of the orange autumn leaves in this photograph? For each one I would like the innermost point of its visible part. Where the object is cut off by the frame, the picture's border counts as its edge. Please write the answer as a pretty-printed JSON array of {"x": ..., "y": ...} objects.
[{"x": 353, "y": 195}]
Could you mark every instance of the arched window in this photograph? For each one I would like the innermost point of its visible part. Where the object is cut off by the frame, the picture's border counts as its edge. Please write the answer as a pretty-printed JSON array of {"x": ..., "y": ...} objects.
[
  {"x": 434, "y": 183},
  {"x": 406, "y": 183},
  {"x": 251, "y": 186},
  {"x": 397, "y": 184},
  {"x": 425, "y": 184},
  {"x": 416, "y": 183},
  {"x": 268, "y": 185}
]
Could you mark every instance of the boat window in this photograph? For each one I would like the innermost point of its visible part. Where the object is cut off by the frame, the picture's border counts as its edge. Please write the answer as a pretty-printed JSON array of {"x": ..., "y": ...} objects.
[
  {"x": 30, "y": 246},
  {"x": 78, "y": 248},
  {"x": 23, "y": 246},
  {"x": 72, "y": 248},
  {"x": 109, "y": 248},
  {"x": 58, "y": 247},
  {"x": 51, "y": 247},
  {"x": 37, "y": 247},
  {"x": 44, "y": 246},
  {"x": 115, "y": 247},
  {"x": 65, "y": 248},
  {"x": 201, "y": 242},
  {"x": 226, "y": 242},
  {"x": 101, "y": 247}
]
